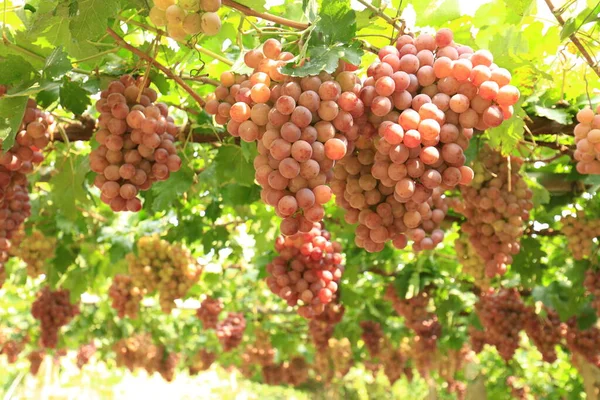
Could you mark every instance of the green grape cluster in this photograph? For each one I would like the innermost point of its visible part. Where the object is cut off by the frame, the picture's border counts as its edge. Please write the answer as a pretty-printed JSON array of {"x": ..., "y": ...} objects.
[
  {"x": 185, "y": 18},
  {"x": 35, "y": 250}
]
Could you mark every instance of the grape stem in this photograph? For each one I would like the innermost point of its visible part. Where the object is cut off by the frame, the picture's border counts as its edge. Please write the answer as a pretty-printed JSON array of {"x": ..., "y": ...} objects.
[
  {"x": 269, "y": 17},
  {"x": 573, "y": 36},
  {"x": 382, "y": 15},
  {"x": 151, "y": 60}
]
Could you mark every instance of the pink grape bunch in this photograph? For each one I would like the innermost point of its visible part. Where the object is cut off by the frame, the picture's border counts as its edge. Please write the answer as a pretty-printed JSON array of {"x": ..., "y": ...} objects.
[
  {"x": 307, "y": 271},
  {"x": 136, "y": 143},
  {"x": 587, "y": 139},
  {"x": 301, "y": 126}
]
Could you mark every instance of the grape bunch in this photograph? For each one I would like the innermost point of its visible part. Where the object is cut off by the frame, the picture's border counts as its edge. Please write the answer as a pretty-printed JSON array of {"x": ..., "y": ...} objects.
[
  {"x": 84, "y": 354},
  {"x": 296, "y": 371},
  {"x": 54, "y": 310},
  {"x": 161, "y": 266},
  {"x": 301, "y": 126},
  {"x": 587, "y": 139},
  {"x": 185, "y": 18},
  {"x": 307, "y": 270},
  {"x": 35, "y": 250},
  {"x": 135, "y": 140},
  {"x": 230, "y": 331},
  {"x": 518, "y": 391},
  {"x": 372, "y": 335},
  {"x": 394, "y": 363},
  {"x": 584, "y": 342},
  {"x": 545, "y": 332},
  {"x": 274, "y": 374},
  {"x": 580, "y": 232},
  {"x": 201, "y": 361},
  {"x": 478, "y": 339},
  {"x": 502, "y": 314},
  {"x": 422, "y": 322},
  {"x": 36, "y": 357},
  {"x": 126, "y": 297},
  {"x": 11, "y": 349},
  {"x": 135, "y": 352},
  {"x": 165, "y": 364},
  {"x": 322, "y": 366},
  {"x": 592, "y": 285},
  {"x": 209, "y": 312},
  {"x": 322, "y": 326},
  {"x": 472, "y": 263},
  {"x": 260, "y": 352},
  {"x": 496, "y": 207},
  {"x": 451, "y": 362}
]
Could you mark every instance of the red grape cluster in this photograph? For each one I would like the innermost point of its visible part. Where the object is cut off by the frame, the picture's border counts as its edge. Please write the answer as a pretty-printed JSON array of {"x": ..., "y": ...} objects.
[
  {"x": 503, "y": 316},
  {"x": 545, "y": 332},
  {"x": 274, "y": 374},
  {"x": 84, "y": 354},
  {"x": 472, "y": 263},
  {"x": 301, "y": 127},
  {"x": 36, "y": 357},
  {"x": 422, "y": 322},
  {"x": 161, "y": 266},
  {"x": 261, "y": 352},
  {"x": 496, "y": 207},
  {"x": 394, "y": 363},
  {"x": 35, "y": 250},
  {"x": 372, "y": 335},
  {"x": 307, "y": 270},
  {"x": 201, "y": 361},
  {"x": 580, "y": 232},
  {"x": 230, "y": 331},
  {"x": 209, "y": 312},
  {"x": 135, "y": 139},
  {"x": 165, "y": 363},
  {"x": 322, "y": 326},
  {"x": 136, "y": 352},
  {"x": 54, "y": 310},
  {"x": 592, "y": 285},
  {"x": 11, "y": 349},
  {"x": 584, "y": 342},
  {"x": 587, "y": 138},
  {"x": 126, "y": 297},
  {"x": 296, "y": 371},
  {"x": 478, "y": 338}
]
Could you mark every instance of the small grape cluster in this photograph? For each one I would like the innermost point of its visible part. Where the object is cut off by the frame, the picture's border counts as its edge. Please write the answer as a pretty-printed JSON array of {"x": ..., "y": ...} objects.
[
  {"x": 161, "y": 266},
  {"x": 11, "y": 349},
  {"x": 584, "y": 342},
  {"x": 84, "y": 354},
  {"x": 592, "y": 285},
  {"x": 36, "y": 357},
  {"x": 545, "y": 332},
  {"x": 209, "y": 311},
  {"x": 135, "y": 140},
  {"x": 502, "y": 314},
  {"x": 230, "y": 331},
  {"x": 580, "y": 232},
  {"x": 35, "y": 250},
  {"x": 496, "y": 207},
  {"x": 54, "y": 310},
  {"x": 372, "y": 335},
  {"x": 296, "y": 371},
  {"x": 187, "y": 17},
  {"x": 126, "y": 297},
  {"x": 587, "y": 139},
  {"x": 322, "y": 326},
  {"x": 422, "y": 322},
  {"x": 300, "y": 126},
  {"x": 394, "y": 363},
  {"x": 341, "y": 354},
  {"x": 472, "y": 263},
  {"x": 135, "y": 352},
  {"x": 307, "y": 270},
  {"x": 201, "y": 361},
  {"x": 260, "y": 352},
  {"x": 273, "y": 374},
  {"x": 449, "y": 363},
  {"x": 323, "y": 367},
  {"x": 165, "y": 363}
]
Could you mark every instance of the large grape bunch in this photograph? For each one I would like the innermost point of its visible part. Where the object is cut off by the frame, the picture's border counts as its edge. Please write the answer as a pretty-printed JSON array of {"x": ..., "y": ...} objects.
[
  {"x": 307, "y": 270},
  {"x": 35, "y": 250},
  {"x": 301, "y": 126},
  {"x": 587, "y": 138},
  {"x": 209, "y": 311},
  {"x": 230, "y": 331},
  {"x": 54, "y": 310},
  {"x": 502, "y": 314},
  {"x": 545, "y": 332},
  {"x": 585, "y": 342},
  {"x": 422, "y": 322},
  {"x": 161, "y": 266},
  {"x": 125, "y": 296},
  {"x": 472, "y": 263},
  {"x": 422, "y": 100},
  {"x": 185, "y": 18},
  {"x": 496, "y": 207},
  {"x": 372, "y": 335},
  {"x": 580, "y": 232},
  {"x": 135, "y": 140}
]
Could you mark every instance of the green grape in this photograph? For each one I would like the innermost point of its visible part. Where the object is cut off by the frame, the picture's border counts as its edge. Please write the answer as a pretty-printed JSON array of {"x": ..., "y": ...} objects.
[
  {"x": 158, "y": 17},
  {"x": 192, "y": 24},
  {"x": 164, "y": 4},
  {"x": 190, "y": 5},
  {"x": 175, "y": 15}
]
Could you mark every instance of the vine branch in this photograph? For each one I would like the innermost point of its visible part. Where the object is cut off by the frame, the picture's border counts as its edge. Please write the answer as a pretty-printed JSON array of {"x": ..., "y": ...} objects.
[
  {"x": 382, "y": 15},
  {"x": 269, "y": 17},
  {"x": 151, "y": 60}
]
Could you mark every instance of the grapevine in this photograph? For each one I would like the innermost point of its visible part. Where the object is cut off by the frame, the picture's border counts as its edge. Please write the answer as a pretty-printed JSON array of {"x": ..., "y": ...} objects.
[{"x": 54, "y": 310}]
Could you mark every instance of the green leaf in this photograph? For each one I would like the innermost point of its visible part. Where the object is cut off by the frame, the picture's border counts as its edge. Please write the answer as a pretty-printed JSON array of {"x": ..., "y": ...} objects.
[
  {"x": 73, "y": 97},
  {"x": 166, "y": 193},
  {"x": 568, "y": 29},
  {"x": 232, "y": 167},
  {"x": 92, "y": 19},
  {"x": 12, "y": 110},
  {"x": 336, "y": 23},
  {"x": 14, "y": 69},
  {"x": 160, "y": 82},
  {"x": 559, "y": 115},
  {"x": 57, "y": 64},
  {"x": 326, "y": 59},
  {"x": 437, "y": 12},
  {"x": 528, "y": 263},
  {"x": 541, "y": 195},
  {"x": 310, "y": 8},
  {"x": 68, "y": 184},
  {"x": 508, "y": 135},
  {"x": 238, "y": 195}
]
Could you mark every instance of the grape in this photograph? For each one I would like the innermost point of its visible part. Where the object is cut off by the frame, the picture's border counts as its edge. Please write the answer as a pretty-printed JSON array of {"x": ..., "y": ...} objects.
[
  {"x": 209, "y": 311},
  {"x": 54, "y": 310},
  {"x": 126, "y": 297},
  {"x": 192, "y": 24},
  {"x": 230, "y": 331},
  {"x": 175, "y": 15},
  {"x": 189, "y": 5},
  {"x": 210, "y": 5},
  {"x": 211, "y": 23},
  {"x": 158, "y": 17},
  {"x": 164, "y": 4}
]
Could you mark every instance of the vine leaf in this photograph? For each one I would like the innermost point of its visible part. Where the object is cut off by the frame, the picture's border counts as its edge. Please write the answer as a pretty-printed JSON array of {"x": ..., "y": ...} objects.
[
  {"x": 166, "y": 193},
  {"x": 73, "y": 97},
  {"x": 15, "y": 69},
  {"x": 92, "y": 18},
  {"x": 68, "y": 184},
  {"x": 57, "y": 64},
  {"x": 231, "y": 165},
  {"x": 12, "y": 110}
]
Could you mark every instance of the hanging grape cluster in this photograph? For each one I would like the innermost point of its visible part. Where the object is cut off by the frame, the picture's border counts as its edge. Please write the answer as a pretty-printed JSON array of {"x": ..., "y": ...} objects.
[
  {"x": 126, "y": 297},
  {"x": 36, "y": 357},
  {"x": 166, "y": 268},
  {"x": 307, "y": 270},
  {"x": 580, "y": 232},
  {"x": 165, "y": 363},
  {"x": 300, "y": 125},
  {"x": 209, "y": 311},
  {"x": 518, "y": 391},
  {"x": 372, "y": 335},
  {"x": 135, "y": 140},
  {"x": 11, "y": 349},
  {"x": 472, "y": 263},
  {"x": 545, "y": 332},
  {"x": 35, "y": 250},
  {"x": 449, "y": 363},
  {"x": 478, "y": 339},
  {"x": 502, "y": 314},
  {"x": 260, "y": 352},
  {"x": 84, "y": 354},
  {"x": 296, "y": 371},
  {"x": 230, "y": 331},
  {"x": 496, "y": 207},
  {"x": 587, "y": 138},
  {"x": 394, "y": 362},
  {"x": 185, "y": 18},
  {"x": 592, "y": 285},
  {"x": 322, "y": 326},
  {"x": 201, "y": 361},
  {"x": 585, "y": 342},
  {"x": 135, "y": 352},
  {"x": 54, "y": 310},
  {"x": 422, "y": 322},
  {"x": 273, "y": 374}
]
